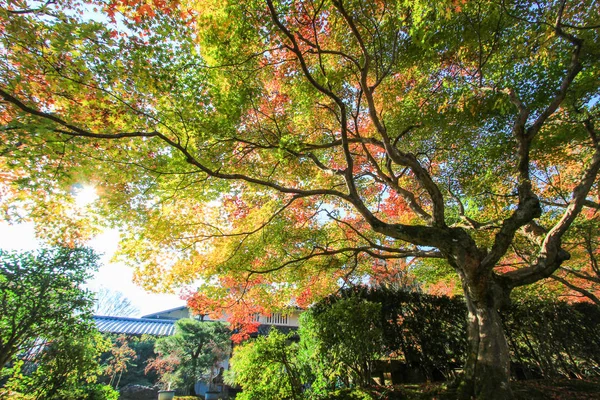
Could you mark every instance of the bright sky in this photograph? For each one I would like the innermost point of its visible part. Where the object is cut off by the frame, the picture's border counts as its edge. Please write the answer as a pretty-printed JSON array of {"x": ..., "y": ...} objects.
[{"x": 115, "y": 276}]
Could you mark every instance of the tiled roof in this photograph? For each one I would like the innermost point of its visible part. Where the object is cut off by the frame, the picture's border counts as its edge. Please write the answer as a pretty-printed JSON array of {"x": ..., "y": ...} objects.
[{"x": 135, "y": 326}]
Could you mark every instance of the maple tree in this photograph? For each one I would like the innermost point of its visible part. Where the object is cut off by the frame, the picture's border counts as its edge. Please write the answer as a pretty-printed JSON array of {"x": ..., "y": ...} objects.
[
  {"x": 278, "y": 149},
  {"x": 118, "y": 362}
]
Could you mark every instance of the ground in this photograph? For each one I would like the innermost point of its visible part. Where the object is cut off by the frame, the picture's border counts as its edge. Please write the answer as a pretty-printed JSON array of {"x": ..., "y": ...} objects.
[{"x": 562, "y": 389}]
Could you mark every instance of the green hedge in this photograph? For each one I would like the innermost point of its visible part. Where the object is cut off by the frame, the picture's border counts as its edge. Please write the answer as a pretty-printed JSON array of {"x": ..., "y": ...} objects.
[{"x": 546, "y": 339}]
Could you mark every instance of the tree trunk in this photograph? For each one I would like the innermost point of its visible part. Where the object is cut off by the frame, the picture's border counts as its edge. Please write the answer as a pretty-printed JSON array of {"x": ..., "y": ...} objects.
[{"x": 487, "y": 369}]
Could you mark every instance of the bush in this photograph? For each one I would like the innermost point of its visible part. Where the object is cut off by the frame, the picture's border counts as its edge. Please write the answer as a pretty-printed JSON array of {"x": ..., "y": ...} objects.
[
  {"x": 99, "y": 392},
  {"x": 266, "y": 368},
  {"x": 340, "y": 343}
]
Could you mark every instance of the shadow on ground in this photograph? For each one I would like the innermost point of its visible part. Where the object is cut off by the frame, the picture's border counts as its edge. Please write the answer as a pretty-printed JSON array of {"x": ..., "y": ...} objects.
[{"x": 523, "y": 390}]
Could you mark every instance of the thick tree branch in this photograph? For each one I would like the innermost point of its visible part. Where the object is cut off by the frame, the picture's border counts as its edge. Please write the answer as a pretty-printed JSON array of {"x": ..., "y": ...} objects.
[
  {"x": 418, "y": 235},
  {"x": 551, "y": 253},
  {"x": 529, "y": 205}
]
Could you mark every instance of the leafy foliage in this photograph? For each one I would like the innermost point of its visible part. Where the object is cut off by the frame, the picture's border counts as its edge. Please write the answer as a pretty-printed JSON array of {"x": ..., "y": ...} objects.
[
  {"x": 346, "y": 335},
  {"x": 64, "y": 368},
  {"x": 121, "y": 356},
  {"x": 553, "y": 339},
  {"x": 341, "y": 341},
  {"x": 135, "y": 372},
  {"x": 267, "y": 368},
  {"x": 547, "y": 338},
  {"x": 41, "y": 298},
  {"x": 192, "y": 353},
  {"x": 424, "y": 331}
]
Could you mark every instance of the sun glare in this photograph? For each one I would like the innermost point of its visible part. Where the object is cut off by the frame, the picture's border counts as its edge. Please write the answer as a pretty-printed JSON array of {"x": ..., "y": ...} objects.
[{"x": 85, "y": 195}]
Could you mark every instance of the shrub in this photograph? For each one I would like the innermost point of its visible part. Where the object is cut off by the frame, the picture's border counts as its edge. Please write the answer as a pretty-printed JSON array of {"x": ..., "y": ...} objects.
[
  {"x": 266, "y": 368},
  {"x": 340, "y": 342}
]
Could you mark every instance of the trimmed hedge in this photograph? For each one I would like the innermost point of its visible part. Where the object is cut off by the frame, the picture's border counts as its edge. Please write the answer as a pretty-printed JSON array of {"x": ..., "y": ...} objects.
[{"x": 428, "y": 333}]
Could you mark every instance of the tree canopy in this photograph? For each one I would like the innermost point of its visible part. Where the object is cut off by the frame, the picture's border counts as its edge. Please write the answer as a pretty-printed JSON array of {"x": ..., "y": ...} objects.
[{"x": 278, "y": 148}]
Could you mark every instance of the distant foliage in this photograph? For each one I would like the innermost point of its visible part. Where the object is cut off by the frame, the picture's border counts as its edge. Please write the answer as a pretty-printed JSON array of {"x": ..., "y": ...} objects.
[
  {"x": 193, "y": 353},
  {"x": 121, "y": 357},
  {"x": 134, "y": 373}
]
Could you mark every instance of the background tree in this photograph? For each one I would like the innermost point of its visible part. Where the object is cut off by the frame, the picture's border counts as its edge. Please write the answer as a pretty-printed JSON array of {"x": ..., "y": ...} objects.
[
  {"x": 192, "y": 353},
  {"x": 41, "y": 297},
  {"x": 120, "y": 355},
  {"x": 278, "y": 148},
  {"x": 113, "y": 303}
]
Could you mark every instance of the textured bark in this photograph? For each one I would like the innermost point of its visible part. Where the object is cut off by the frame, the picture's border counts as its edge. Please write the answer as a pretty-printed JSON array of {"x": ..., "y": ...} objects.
[{"x": 487, "y": 369}]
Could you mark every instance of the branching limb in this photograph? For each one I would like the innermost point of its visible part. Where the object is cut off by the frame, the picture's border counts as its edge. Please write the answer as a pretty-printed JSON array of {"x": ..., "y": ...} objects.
[
  {"x": 350, "y": 252},
  {"x": 418, "y": 235},
  {"x": 581, "y": 275},
  {"x": 397, "y": 156},
  {"x": 577, "y": 289},
  {"x": 529, "y": 205},
  {"x": 551, "y": 253},
  {"x": 30, "y": 10}
]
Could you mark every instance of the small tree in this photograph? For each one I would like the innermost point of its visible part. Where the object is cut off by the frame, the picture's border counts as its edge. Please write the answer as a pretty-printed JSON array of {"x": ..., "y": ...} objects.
[
  {"x": 125, "y": 363},
  {"x": 266, "y": 368},
  {"x": 41, "y": 297},
  {"x": 192, "y": 352},
  {"x": 121, "y": 356}
]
